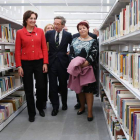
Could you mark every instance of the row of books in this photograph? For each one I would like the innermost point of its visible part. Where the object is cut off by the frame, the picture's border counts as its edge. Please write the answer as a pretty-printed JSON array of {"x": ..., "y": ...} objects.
[
  {"x": 126, "y": 65},
  {"x": 9, "y": 81},
  {"x": 7, "y": 34},
  {"x": 125, "y": 104},
  {"x": 127, "y": 21},
  {"x": 7, "y": 59},
  {"x": 10, "y": 104},
  {"x": 112, "y": 121}
]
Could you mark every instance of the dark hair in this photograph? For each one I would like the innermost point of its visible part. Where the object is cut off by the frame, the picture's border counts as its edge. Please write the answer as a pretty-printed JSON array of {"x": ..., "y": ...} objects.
[
  {"x": 63, "y": 20},
  {"x": 82, "y": 23},
  {"x": 27, "y": 15}
]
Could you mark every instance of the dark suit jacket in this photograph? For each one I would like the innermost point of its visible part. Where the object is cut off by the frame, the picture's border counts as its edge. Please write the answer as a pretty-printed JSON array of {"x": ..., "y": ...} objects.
[
  {"x": 90, "y": 34},
  {"x": 60, "y": 52}
]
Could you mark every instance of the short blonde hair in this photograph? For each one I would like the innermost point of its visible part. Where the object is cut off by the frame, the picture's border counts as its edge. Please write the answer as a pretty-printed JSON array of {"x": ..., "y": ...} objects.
[{"x": 47, "y": 26}]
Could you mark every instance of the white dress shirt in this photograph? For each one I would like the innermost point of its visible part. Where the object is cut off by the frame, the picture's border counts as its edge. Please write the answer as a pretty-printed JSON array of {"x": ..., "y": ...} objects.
[{"x": 60, "y": 36}]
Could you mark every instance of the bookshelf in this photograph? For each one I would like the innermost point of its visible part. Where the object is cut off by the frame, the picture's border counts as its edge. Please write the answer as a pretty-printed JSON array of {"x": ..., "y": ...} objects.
[
  {"x": 115, "y": 111},
  {"x": 13, "y": 25},
  {"x": 115, "y": 41},
  {"x": 10, "y": 92},
  {"x": 7, "y": 20},
  {"x": 135, "y": 91},
  {"x": 109, "y": 129},
  {"x": 8, "y": 120},
  {"x": 131, "y": 37},
  {"x": 8, "y": 68}
]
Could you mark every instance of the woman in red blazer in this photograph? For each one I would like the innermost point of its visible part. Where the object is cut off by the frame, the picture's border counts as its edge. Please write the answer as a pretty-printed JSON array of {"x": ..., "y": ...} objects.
[{"x": 32, "y": 57}]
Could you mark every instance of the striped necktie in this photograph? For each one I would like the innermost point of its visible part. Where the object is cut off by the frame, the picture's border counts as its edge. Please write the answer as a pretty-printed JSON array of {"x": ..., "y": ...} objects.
[{"x": 57, "y": 40}]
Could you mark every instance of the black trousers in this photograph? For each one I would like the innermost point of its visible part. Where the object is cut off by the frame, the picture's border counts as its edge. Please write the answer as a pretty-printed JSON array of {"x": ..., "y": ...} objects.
[
  {"x": 57, "y": 72},
  {"x": 78, "y": 101},
  {"x": 30, "y": 67},
  {"x": 45, "y": 96}
]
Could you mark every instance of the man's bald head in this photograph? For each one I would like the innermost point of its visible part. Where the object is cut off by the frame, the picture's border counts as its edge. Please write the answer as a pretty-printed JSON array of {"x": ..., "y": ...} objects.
[{"x": 96, "y": 31}]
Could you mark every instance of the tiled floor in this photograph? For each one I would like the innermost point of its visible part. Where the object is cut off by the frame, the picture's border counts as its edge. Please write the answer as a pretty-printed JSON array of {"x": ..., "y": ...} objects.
[{"x": 65, "y": 126}]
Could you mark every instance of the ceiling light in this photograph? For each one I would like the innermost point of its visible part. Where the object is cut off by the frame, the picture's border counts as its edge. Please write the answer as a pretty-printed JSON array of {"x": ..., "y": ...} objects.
[
  {"x": 97, "y": 13},
  {"x": 107, "y": 1},
  {"x": 5, "y": 2},
  {"x": 107, "y": 8},
  {"x": 10, "y": 7},
  {"x": 61, "y": 13},
  {"x": 77, "y": 13}
]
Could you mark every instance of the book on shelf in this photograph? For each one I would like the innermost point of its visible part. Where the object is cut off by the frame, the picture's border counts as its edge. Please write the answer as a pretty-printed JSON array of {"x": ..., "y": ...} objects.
[
  {"x": 126, "y": 105},
  {"x": 9, "y": 81},
  {"x": 128, "y": 20},
  {"x": 10, "y": 104},
  {"x": 113, "y": 123},
  {"x": 7, "y": 59},
  {"x": 127, "y": 66},
  {"x": 7, "y": 34}
]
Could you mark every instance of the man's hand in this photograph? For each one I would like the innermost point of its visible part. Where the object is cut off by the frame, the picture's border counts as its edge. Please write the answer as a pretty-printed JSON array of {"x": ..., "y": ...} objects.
[{"x": 45, "y": 68}]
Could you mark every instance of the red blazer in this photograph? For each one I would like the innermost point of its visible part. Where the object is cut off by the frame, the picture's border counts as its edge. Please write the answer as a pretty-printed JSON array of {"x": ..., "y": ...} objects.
[{"x": 30, "y": 46}]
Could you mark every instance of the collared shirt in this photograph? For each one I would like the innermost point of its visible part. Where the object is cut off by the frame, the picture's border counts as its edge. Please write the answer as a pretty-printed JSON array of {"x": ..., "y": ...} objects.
[{"x": 60, "y": 36}]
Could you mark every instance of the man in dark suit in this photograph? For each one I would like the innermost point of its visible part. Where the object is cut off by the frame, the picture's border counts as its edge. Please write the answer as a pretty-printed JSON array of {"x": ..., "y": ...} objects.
[
  {"x": 94, "y": 36},
  {"x": 58, "y": 40},
  {"x": 96, "y": 31}
]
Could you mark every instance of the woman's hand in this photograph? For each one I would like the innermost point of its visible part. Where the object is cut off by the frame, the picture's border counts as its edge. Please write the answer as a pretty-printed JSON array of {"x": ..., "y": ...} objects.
[
  {"x": 85, "y": 64},
  {"x": 45, "y": 68},
  {"x": 20, "y": 71},
  {"x": 68, "y": 53}
]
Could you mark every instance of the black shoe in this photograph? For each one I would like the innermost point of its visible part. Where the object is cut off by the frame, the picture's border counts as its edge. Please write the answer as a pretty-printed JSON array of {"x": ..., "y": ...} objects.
[
  {"x": 97, "y": 95},
  {"x": 64, "y": 107},
  {"x": 31, "y": 119},
  {"x": 41, "y": 113},
  {"x": 89, "y": 119},
  {"x": 44, "y": 105},
  {"x": 80, "y": 112},
  {"x": 77, "y": 106},
  {"x": 54, "y": 112}
]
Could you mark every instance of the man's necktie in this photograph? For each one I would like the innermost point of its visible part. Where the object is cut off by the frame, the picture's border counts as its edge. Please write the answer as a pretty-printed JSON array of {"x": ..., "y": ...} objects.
[{"x": 57, "y": 40}]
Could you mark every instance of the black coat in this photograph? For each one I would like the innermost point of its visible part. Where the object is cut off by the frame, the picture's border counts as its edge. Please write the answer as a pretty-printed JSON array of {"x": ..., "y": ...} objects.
[{"x": 60, "y": 52}]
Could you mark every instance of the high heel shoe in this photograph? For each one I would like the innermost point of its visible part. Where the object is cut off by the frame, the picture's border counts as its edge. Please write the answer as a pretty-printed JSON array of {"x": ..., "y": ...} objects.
[
  {"x": 89, "y": 119},
  {"x": 80, "y": 112}
]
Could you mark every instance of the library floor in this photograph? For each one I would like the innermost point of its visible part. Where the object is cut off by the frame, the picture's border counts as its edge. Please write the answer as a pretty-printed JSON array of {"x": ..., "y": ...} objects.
[{"x": 65, "y": 126}]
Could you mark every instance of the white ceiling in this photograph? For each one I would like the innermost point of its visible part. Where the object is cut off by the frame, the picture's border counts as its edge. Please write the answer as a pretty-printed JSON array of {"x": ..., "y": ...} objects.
[{"x": 73, "y": 10}]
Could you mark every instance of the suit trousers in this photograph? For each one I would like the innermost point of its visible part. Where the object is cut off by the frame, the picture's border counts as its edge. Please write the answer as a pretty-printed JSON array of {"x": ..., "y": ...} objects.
[
  {"x": 33, "y": 67},
  {"x": 45, "y": 96},
  {"x": 57, "y": 72}
]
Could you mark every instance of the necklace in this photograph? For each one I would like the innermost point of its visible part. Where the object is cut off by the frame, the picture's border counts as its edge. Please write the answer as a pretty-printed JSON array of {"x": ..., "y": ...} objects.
[{"x": 84, "y": 38}]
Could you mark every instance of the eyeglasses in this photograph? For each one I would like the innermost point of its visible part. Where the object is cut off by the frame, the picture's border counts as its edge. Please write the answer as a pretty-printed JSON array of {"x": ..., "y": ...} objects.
[{"x": 57, "y": 24}]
